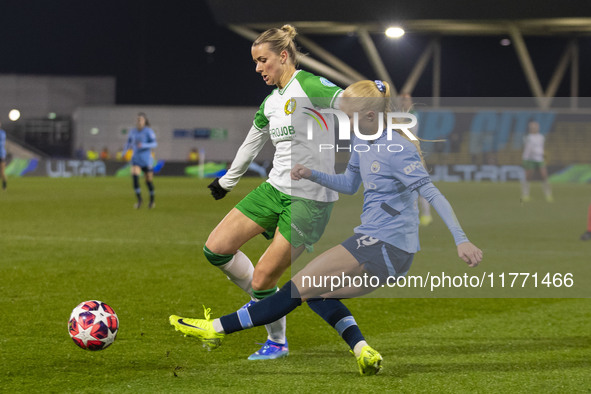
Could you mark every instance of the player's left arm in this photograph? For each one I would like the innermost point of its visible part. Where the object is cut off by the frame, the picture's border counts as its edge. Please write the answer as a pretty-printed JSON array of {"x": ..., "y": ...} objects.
[
  {"x": 151, "y": 141},
  {"x": 467, "y": 251},
  {"x": 408, "y": 169}
]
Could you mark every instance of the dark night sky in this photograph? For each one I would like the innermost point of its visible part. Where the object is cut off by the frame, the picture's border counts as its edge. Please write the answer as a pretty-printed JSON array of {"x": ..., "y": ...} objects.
[{"x": 157, "y": 53}]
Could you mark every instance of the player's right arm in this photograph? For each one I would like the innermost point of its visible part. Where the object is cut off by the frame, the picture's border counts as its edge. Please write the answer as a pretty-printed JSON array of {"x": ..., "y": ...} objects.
[
  {"x": 249, "y": 149},
  {"x": 129, "y": 144}
]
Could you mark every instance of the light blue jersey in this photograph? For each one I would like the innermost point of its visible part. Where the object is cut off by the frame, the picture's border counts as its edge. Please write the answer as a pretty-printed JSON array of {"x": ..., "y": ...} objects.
[
  {"x": 142, "y": 155},
  {"x": 2, "y": 144},
  {"x": 392, "y": 176}
]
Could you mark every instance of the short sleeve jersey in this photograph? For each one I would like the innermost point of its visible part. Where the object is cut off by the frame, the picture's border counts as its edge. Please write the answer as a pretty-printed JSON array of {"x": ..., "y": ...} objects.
[{"x": 291, "y": 117}]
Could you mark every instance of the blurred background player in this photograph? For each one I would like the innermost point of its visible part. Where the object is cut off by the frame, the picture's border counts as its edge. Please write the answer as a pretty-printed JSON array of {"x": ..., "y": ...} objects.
[
  {"x": 406, "y": 105},
  {"x": 533, "y": 160},
  {"x": 105, "y": 155},
  {"x": 273, "y": 208},
  {"x": 586, "y": 236},
  {"x": 193, "y": 156},
  {"x": 3, "y": 157},
  {"x": 141, "y": 141},
  {"x": 92, "y": 154},
  {"x": 383, "y": 245}
]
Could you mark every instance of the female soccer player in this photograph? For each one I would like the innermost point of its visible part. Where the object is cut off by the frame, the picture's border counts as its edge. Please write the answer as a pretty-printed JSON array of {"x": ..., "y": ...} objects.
[
  {"x": 3, "y": 156},
  {"x": 383, "y": 245},
  {"x": 142, "y": 140},
  {"x": 533, "y": 160},
  {"x": 275, "y": 207}
]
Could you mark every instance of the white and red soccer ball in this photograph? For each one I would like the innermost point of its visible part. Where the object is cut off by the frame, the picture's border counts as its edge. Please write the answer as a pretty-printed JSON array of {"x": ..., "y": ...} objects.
[{"x": 93, "y": 325}]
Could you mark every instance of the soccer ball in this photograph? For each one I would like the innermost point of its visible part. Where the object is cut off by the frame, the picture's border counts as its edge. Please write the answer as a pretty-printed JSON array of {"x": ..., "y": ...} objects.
[{"x": 93, "y": 325}]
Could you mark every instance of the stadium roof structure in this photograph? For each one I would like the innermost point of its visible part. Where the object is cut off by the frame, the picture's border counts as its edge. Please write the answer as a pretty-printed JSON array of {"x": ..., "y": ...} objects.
[{"x": 515, "y": 18}]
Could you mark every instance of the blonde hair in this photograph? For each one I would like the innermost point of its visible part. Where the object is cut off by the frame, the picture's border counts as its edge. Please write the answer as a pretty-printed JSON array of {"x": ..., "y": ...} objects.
[
  {"x": 280, "y": 40},
  {"x": 375, "y": 96}
]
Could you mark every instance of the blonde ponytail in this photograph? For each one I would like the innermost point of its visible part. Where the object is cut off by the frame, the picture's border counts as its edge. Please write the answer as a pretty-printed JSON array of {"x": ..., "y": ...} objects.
[
  {"x": 280, "y": 40},
  {"x": 375, "y": 95}
]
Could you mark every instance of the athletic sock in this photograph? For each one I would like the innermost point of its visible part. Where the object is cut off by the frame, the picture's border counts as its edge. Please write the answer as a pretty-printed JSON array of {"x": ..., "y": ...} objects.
[
  {"x": 239, "y": 270},
  {"x": 335, "y": 313},
  {"x": 151, "y": 189},
  {"x": 547, "y": 189},
  {"x": 276, "y": 331},
  {"x": 263, "y": 312},
  {"x": 524, "y": 188},
  {"x": 358, "y": 347},
  {"x": 136, "y": 187}
]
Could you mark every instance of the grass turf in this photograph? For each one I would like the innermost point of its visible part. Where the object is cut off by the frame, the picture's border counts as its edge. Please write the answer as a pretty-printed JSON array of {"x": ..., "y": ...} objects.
[{"x": 68, "y": 240}]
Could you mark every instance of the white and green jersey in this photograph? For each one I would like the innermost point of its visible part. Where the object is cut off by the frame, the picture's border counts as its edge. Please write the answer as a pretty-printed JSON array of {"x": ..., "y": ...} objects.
[{"x": 291, "y": 118}]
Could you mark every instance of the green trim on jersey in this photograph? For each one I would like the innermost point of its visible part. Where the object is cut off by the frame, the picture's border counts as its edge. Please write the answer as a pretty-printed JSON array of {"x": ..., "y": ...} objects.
[
  {"x": 293, "y": 77},
  {"x": 319, "y": 90},
  {"x": 260, "y": 120}
]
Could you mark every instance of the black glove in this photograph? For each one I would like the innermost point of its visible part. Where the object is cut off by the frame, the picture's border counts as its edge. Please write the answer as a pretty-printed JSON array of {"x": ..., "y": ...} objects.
[{"x": 217, "y": 191}]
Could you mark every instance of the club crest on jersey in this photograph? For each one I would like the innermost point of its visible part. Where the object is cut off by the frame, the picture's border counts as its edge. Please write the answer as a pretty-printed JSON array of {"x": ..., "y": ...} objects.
[
  {"x": 290, "y": 106},
  {"x": 375, "y": 167},
  {"x": 326, "y": 82},
  {"x": 366, "y": 240}
]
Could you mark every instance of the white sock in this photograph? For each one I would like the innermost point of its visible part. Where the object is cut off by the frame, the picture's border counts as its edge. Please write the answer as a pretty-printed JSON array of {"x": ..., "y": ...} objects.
[
  {"x": 239, "y": 270},
  {"x": 217, "y": 326},
  {"x": 525, "y": 188},
  {"x": 547, "y": 190},
  {"x": 358, "y": 347},
  {"x": 276, "y": 330}
]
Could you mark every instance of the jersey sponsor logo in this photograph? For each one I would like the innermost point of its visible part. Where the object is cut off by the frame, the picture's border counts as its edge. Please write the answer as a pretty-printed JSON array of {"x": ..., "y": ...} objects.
[
  {"x": 412, "y": 166},
  {"x": 366, "y": 240},
  {"x": 326, "y": 82},
  {"x": 375, "y": 167},
  {"x": 290, "y": 106},
  {"x": 282, "y": 133}
]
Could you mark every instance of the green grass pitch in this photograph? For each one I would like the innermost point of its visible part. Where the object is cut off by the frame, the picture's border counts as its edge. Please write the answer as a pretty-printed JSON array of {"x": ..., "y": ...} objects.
[{"x": 64, "y": 241}]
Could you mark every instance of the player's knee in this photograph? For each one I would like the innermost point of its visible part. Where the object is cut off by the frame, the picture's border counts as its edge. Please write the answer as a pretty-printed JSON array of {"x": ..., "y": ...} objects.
[{"x": 216, "y": 258}]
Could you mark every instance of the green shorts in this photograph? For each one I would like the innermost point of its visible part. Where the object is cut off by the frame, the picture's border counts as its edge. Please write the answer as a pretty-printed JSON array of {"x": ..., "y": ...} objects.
[
  {"x": 300, "y": 221},
  {"x": 533, "y": 165}
]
